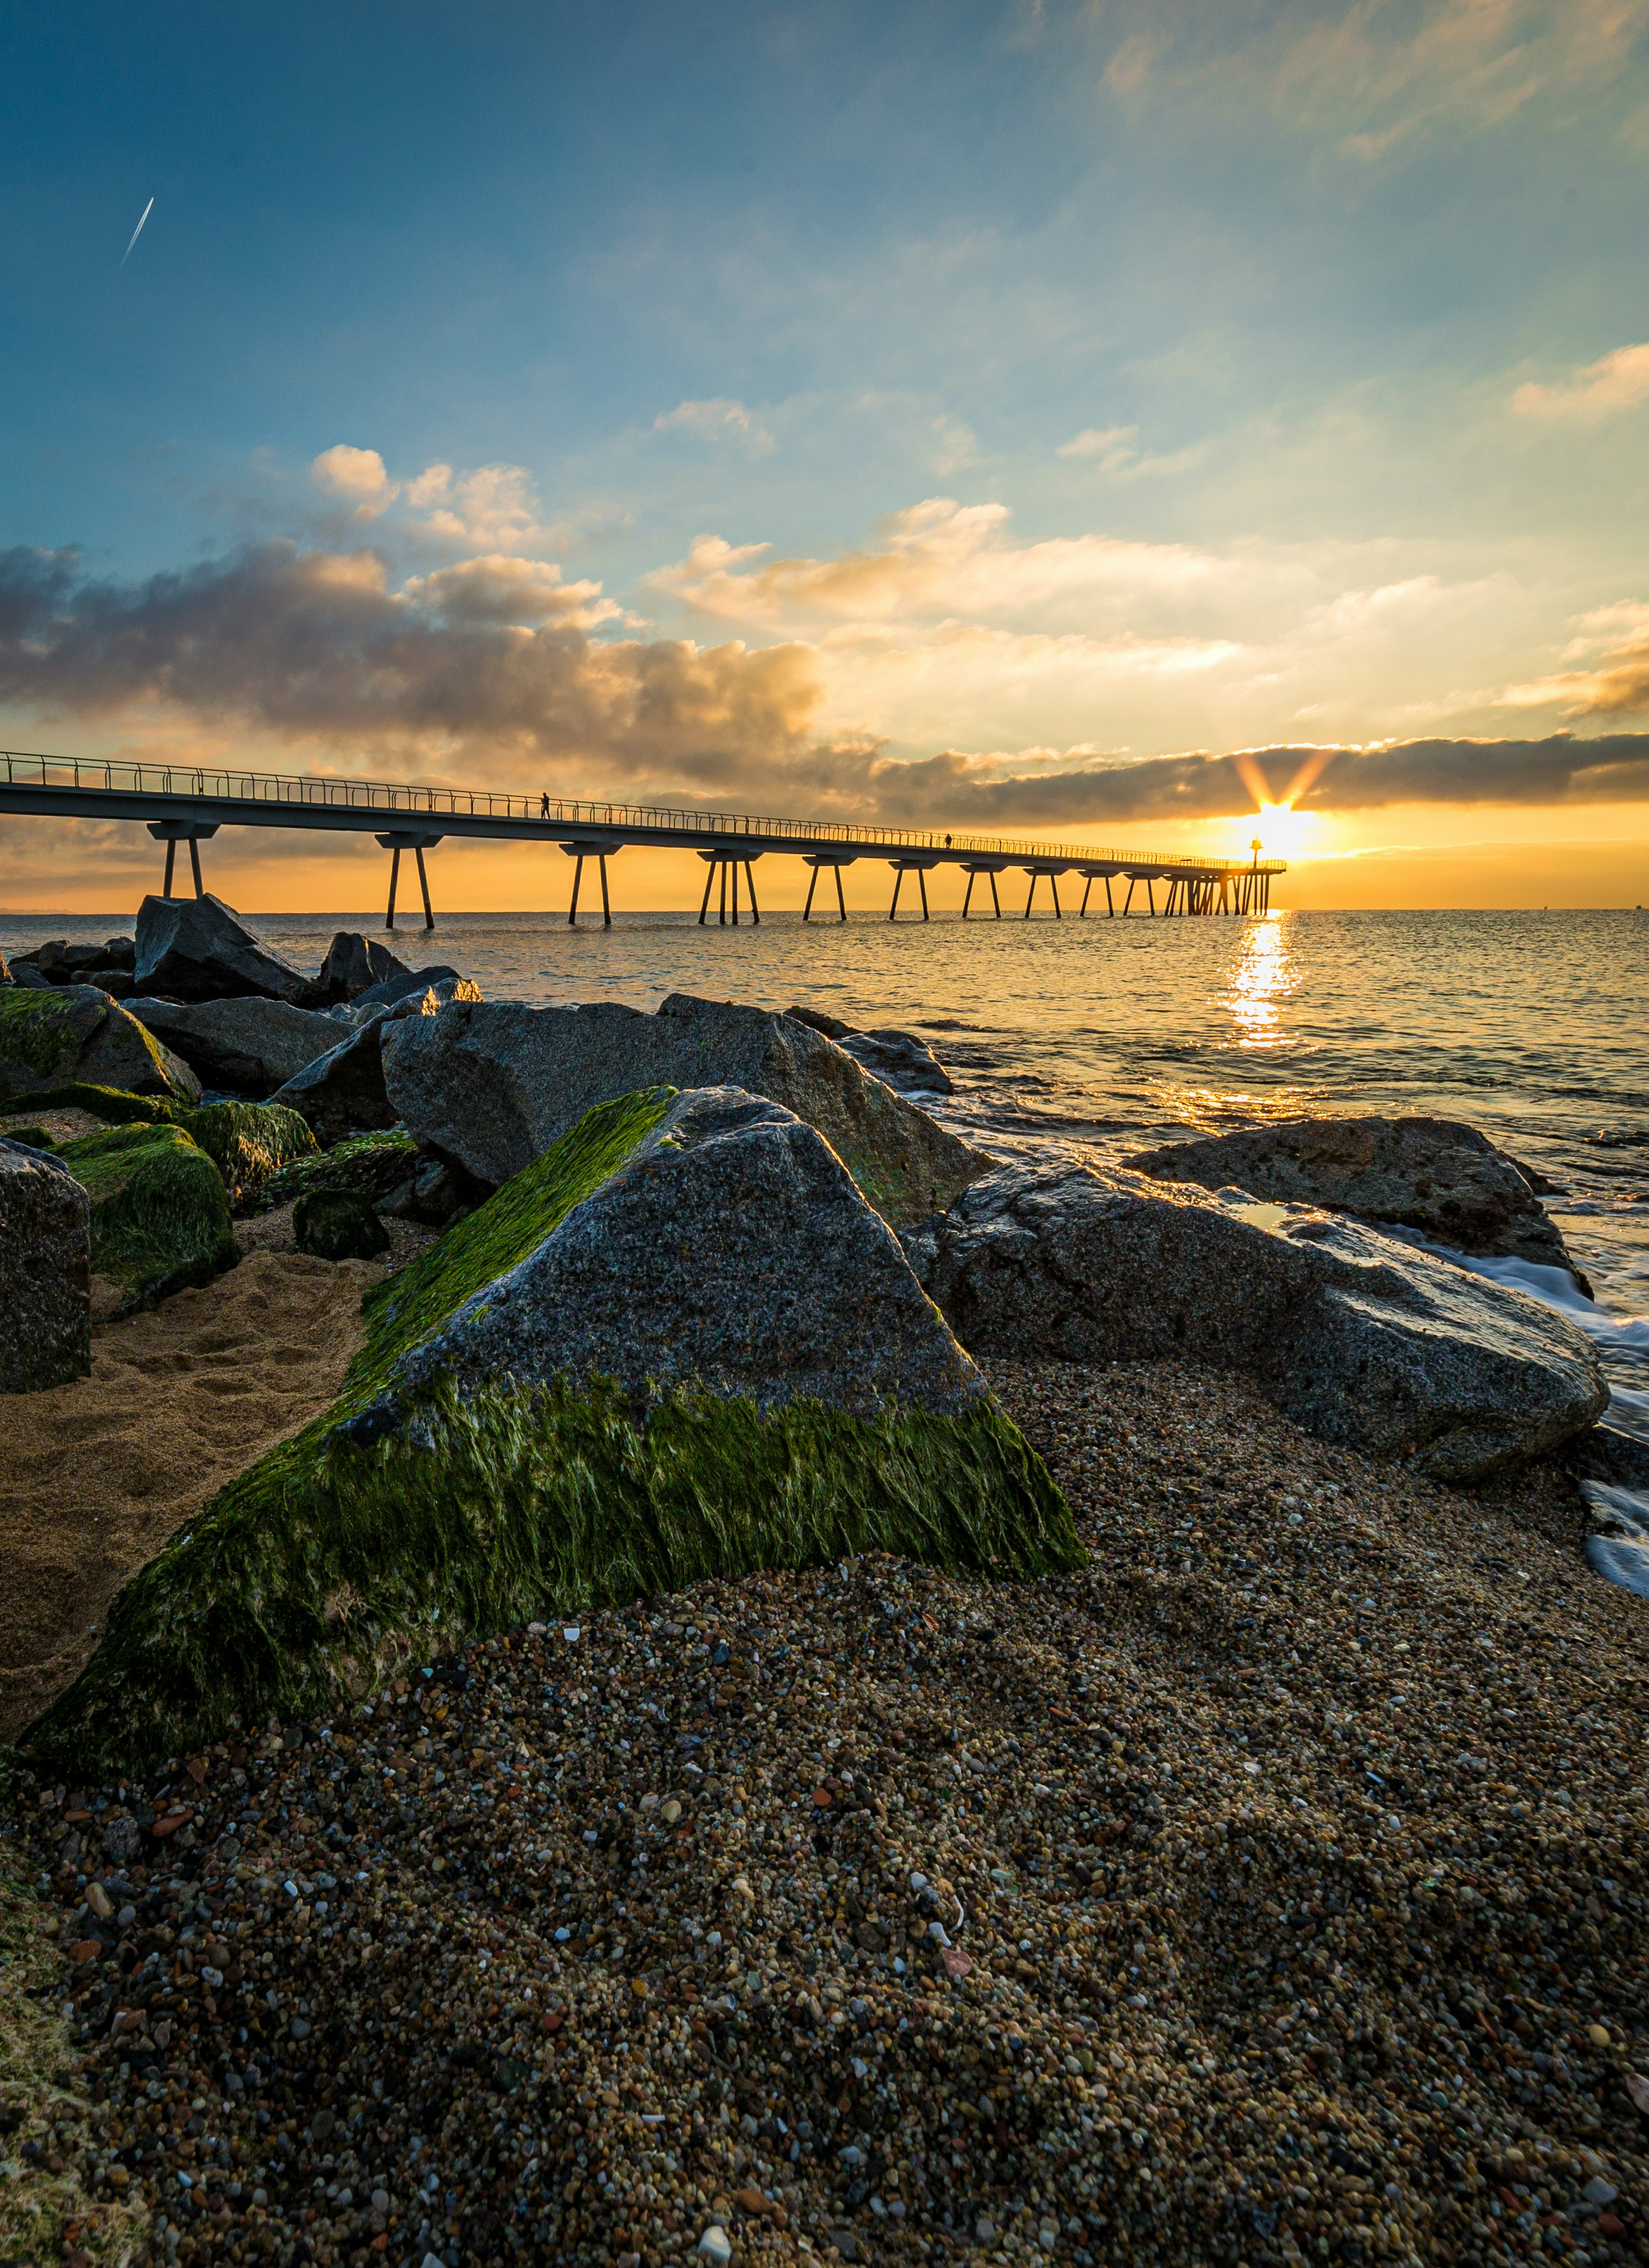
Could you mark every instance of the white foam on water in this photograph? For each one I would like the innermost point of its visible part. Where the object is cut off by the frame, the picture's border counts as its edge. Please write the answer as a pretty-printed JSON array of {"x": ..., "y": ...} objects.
[{"x": 1622, "y": 1559}]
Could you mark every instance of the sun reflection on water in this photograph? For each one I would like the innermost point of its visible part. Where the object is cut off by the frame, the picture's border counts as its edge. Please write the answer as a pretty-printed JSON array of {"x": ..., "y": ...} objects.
[{"x": 1264, "y": 979}]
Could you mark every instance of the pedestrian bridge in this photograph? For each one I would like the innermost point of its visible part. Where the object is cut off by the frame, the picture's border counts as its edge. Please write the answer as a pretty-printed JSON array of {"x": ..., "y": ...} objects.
[{"x": 189, "y": 803}]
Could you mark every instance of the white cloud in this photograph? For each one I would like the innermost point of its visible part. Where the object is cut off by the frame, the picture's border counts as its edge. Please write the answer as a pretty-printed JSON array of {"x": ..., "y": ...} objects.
[
  {"x": 357, "y": 475},
  {"x": 716, "y": 419},
  {"x": 499, "y": 589},
  {"x": 1607, "y": 388},
  {"x": 493, "y": 509}
]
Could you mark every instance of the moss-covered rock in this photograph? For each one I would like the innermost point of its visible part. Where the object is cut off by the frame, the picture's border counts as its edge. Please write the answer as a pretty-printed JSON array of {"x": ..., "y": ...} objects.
[
  {"x": 75, "y": 1032},
  {"x": 371, "y": 1165},
  {"x": 431, "y": 1504},
  {"x": 159, "y": 1215},
  {"x": 114, "y": 1105},
  {"x": 337, "y": 1225},
  {"x": 247, "y": 1142},
  {"x": 32, "y": 1138}
]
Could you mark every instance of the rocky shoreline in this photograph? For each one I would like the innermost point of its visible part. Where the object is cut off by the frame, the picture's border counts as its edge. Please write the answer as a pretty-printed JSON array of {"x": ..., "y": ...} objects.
[{"x": 697, "y": 1749}]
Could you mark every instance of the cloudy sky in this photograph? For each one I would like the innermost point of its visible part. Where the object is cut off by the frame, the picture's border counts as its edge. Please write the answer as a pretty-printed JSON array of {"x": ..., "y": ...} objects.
[{"x": 1099, "y": 419}]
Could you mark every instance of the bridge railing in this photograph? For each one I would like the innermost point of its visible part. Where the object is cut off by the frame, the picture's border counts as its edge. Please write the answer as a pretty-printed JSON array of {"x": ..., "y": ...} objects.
[{"x": 127, "y": 777}]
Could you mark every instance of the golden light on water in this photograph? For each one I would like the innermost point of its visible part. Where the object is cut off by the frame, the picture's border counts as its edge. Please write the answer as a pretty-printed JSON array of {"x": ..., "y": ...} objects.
[{"x": 1262, "y": 981}]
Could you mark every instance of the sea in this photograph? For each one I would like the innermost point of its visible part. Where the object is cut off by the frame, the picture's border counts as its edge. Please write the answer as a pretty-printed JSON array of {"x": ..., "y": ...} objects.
[{"x": 1109, "y": 1033}]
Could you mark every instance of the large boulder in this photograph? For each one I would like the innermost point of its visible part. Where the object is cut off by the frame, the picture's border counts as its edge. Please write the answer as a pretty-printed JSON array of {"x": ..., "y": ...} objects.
[
  {"x": 1434, "y": 1176},
  {"x": 75, "y": 1032},
  {"x": 199, "y": 949},
  {"x": 159, "y": 1214},
  {"x": 248, "y": 1142},
  {"x": 250, "y": 1045},
  {"x": 679, "y": 1344},
  {"x": 1363, "y": 1340},
  {"x": 342, "y": 1093},
  {"x": 675, "y": 1273},
  {"x": 491, "y": 1087},
  {"x": 904, "y": 1061},
  {"x": 45, "y": 1272},
  {"x": 352, "y": 963}
]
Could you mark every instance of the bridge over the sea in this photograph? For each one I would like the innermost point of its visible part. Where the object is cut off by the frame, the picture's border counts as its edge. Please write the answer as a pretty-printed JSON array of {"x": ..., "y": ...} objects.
[{"x": 189, "y": 803}]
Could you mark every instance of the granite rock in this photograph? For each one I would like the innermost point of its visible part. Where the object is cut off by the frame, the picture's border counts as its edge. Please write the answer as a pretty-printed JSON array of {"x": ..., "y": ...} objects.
[
  {"x": 907, "y": 1062},
  {"x": 198, "y": 949},
  {"x": 341, "y": 1092},
  {"x": 352, "y": 963},
  {"x": 491, "y": 1087},
  {"x": 250, "y": 1045},
  {"x": 74, "y": 1033},
  {"x": 731, "y": 1253},
  {"x": 1363, "y": 1340},
  {"x": 45, "y": 1272},
  {"x": 396, "y": 986},
  {"x": 1435, "y": 1175}
]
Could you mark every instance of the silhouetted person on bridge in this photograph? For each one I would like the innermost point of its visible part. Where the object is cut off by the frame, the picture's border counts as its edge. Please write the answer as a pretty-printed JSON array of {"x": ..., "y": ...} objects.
[{"x": 543, "y": 807}]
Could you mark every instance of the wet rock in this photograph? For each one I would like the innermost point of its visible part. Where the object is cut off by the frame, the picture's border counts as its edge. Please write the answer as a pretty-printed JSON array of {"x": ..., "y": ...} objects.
[
  {"x": 198, "y": 949},
  {"x": 492, "y": 1086},
  {"x": 45, "y": 1272},
  {"x": 341, "y": 1092},
  {"x": 352, "y": 963},
  {"x": 250, "y": 1045},
  {"x": 338, "y": 1225},
  {"x": 1434, "y": 1176},
  {"x": 73, "y": 1033},
  {"x": 1363, "y": 1340},
  {"x": 907, "y": 1062}
]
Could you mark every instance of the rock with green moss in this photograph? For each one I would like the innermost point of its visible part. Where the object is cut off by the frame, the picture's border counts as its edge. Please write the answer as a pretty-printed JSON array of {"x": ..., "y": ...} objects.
[
  {"x": 489, "y": 1086},
  {"x": 677, "y": 1345},
  {"x": 159, "y": 1214},
  {"x": 247, "y": 1142},
  {"x": 45, "y": 1272},
  {"x": 75, "y": 1034},
  {"x": 371, "y": 1165},
  {"x": 114, "y": 1105},
  {"x": 337, "y": 1225}
]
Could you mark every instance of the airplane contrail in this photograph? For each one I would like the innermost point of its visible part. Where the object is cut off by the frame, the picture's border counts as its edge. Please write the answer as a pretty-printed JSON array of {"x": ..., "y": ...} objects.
[{"x": 136, "y": 233}]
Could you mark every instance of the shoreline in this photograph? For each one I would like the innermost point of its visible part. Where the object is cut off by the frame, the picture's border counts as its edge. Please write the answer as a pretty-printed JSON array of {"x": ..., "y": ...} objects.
[{"x": 1342, "y": 2037}]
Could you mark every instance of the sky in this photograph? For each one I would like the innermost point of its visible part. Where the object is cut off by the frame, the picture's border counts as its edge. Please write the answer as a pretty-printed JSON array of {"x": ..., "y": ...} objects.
[{"x": 1126, "y": 423}]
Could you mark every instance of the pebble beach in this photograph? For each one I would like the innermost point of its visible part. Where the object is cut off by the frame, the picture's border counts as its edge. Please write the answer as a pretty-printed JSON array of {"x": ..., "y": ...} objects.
[{"x": 1271, "y": 1889}]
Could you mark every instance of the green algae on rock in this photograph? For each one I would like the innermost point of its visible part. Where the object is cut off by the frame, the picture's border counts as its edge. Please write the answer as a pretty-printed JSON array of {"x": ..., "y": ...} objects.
[
  {"x": 249, "y": 1141},
  {"x": 371, "y": 1165},
  {"x": 159, "y": 1216},
  {"x": 75, "y": 1032},
  {"x": 439, "y": 1499},
  {"x": 337, "y": 1225},
  {"x": 115, "y": 1105}
]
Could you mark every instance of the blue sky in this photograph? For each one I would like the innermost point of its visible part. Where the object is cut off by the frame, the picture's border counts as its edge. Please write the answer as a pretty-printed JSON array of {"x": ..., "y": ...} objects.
[{"x": 1010, "y": 391}]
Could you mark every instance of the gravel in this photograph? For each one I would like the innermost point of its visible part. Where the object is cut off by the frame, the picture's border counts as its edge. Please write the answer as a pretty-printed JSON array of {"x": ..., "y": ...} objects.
[{"x": 1271, "y": 1891}]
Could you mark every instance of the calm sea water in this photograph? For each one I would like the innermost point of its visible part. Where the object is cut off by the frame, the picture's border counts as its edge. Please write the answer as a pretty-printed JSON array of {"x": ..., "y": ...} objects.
[{"x": 1530, "y": 1026}]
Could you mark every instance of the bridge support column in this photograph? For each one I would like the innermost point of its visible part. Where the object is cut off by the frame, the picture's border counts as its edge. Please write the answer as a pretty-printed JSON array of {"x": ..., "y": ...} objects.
[
  {"x": 919, "y": 868},
  {"x": 717, "y": 864},
  {"x": 579, "y": 852},
  {"x": 173, "y": 831},
  {"x": 404, "y": 839},
  {"x": 990, "y": 873},
  {"x": 816, "y": 861}
]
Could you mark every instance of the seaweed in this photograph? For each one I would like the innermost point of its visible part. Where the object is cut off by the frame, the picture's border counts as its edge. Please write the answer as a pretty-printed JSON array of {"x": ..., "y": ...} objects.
[
  {"x": 159, "y": 1216},
  {"x": 371, "y": 1165},
  {"x": 247, "y": 1142},
  {"x": 112, "y": 1104},
  {"x": 330, "y": 1562},
  {"x": 327, "y": 1565},
  {"x": 33, "y": 1138}
]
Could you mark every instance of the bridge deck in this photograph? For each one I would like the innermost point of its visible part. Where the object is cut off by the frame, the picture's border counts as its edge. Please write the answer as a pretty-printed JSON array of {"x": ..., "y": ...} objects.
[{"x": 72, "y": 788}]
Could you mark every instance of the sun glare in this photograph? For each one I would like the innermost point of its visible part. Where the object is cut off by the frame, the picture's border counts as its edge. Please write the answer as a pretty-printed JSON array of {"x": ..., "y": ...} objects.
[{"x": 1284, "y": 832}]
